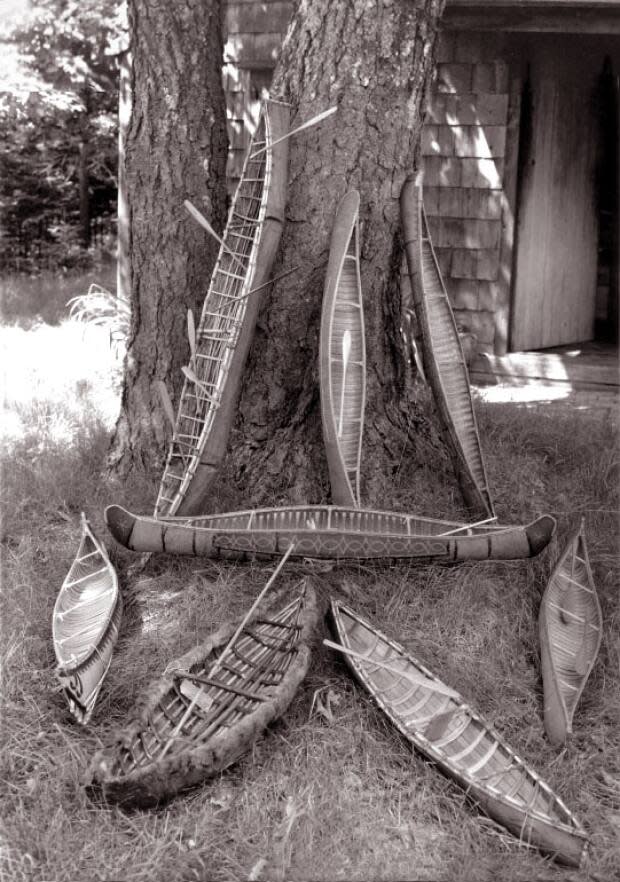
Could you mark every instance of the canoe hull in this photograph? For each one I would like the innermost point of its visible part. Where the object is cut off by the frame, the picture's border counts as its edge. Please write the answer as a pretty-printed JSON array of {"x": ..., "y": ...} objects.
[
  {"x": 570, "y": 627},
  {"x": 85, "y": 624},
  {"x": 343, "y": 374},
  {"x": 146, "y": 783},
  {"x": 452, "y": 735},
  {"x": 445, "y": 366},
  {"x": 220, "y": 540}
]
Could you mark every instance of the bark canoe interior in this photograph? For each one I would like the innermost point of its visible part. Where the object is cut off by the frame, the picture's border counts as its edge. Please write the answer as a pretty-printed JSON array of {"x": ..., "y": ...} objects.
[
  {"x": 571, "y": 627},
  {"x": 451, "y": 734},
  {"x": 342, "y": 356},
  {"x": 85, "y": 624},
  {"x": 224, "y": 332},
  {"x": 442, "y": 354},
  {"x": 191, "y": 724},
  {"x": 328, "y": 532}
]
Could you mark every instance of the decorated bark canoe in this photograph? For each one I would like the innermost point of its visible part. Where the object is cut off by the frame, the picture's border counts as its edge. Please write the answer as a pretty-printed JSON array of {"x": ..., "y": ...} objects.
[
  {"x": 342, "y": 356},
  {"x": 444, "y": 362},
  {"x": 201, "y": 716},
  {"x": 331, "y": 532},
  {"x": 222, "y": 339},
  {"x": 85, "y": 624},
  {"x": 445, "y": 729},
  {"x": 571, "y": 625}
]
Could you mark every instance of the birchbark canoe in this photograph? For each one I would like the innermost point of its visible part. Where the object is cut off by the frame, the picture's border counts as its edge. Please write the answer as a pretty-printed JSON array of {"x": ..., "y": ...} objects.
[
  {"x": 328, "y": 532},
  {"x": 85, "y": 624},
  {"x": 442, "y": 354},
  {"x": 342, "y": 356},
  {"x": 447, "y": 731},
  {"x": 224, "y": 332},
  {"x": 193, "y": 724},
  {"x": 571, "y": 627}
]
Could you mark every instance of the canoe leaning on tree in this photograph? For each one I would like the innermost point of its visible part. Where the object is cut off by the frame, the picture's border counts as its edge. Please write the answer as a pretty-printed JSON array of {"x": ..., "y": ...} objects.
[
  {"x": 441, "y": 725},
  {"x": 442, "y": 354},
  {"x": 328, "y": 532},
  {"x": 342, "y": 356},
  {"x": 209, "y": 706},
  {"x": 220, "y": 344},
  {"x": 85, "y": 624},
  {"x": 571, "y": 627}
]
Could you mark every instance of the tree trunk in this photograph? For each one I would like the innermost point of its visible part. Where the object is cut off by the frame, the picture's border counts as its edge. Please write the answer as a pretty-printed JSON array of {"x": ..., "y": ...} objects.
[
  {"x": 375, "y": 61},
  {"x": 175, "y": 149}
]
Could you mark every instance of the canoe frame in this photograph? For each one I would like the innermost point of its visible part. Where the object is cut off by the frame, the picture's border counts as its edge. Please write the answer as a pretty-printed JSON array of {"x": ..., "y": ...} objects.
[
  {"x": 345, "y": 481},
  {"x": 152, "y": 783},
  {"x": 482, "y": 796},
  {"x": 415, "y": 225},
  {"x": 224, "y": 333},
  {"x": 558, "y": 718}
]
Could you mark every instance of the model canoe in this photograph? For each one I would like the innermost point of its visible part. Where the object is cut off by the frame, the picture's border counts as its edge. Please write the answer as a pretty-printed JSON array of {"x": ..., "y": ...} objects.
[
  {"x": 224, "y": 332},
  {"x": 571, "y": 628},
  {"x": 327, "y": 531},
  {"x": 342, "y": 356},
  {"x": 443, "y": 727},
  {"x": 194, "y": 723},
  {"x": 442, "y": 354},
  {"x": 85, "y": 624}
]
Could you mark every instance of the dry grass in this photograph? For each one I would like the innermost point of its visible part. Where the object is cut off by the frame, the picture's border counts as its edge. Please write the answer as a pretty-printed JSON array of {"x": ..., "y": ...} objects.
[{"x": 331, "y": 792}]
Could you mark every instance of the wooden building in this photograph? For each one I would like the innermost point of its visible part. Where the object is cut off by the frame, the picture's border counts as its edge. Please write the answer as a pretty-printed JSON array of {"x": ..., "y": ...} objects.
[{"x": 521, "y": 160}]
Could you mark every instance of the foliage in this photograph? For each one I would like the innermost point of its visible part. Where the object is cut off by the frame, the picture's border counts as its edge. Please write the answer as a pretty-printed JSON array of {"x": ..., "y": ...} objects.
[{"x": 58, "y": 108}]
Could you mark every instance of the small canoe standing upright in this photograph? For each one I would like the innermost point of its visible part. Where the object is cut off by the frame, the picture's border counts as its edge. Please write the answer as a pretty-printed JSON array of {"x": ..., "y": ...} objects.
[
  {"x": 328, "y": 532},
  {"x": 442, "y": 354},
  {"x": 342, "y": 356},
  {"x": 438, "y": 722},
  {"x": 224, "y": 332},
  {"x": 195, "y": 722},
  {"x": 85, "y": 624},
  {"x": 571, "y": 625}
]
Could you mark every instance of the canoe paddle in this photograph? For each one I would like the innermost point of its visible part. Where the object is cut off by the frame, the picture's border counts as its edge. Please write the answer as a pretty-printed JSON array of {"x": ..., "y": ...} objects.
[
  {"x": 306, "y": 125},
  {"x": 346, "y": 350},
  {"x": 205, "y": 223}
]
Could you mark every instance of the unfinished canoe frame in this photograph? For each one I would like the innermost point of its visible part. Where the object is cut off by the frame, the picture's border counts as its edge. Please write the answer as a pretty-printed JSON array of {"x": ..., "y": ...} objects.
[
  {"x": 328, "y": 532},
  {"x": 342, "y": 356},
  {"x": 85, "y": 624},
  {"x": 442, "y": 354},
  {"x": 191, "y": 724},
  {"x": 224, "y": 333},
  {"x": 445, "y": 729},
  {"x": 571, "y": 628}
]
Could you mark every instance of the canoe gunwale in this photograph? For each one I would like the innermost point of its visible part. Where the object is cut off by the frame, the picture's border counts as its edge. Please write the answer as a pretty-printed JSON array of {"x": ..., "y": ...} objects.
[{"x": 474, "y": 788}]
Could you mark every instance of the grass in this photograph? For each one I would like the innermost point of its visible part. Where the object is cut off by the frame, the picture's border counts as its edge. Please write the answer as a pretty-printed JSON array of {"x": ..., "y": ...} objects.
[{"x": 331, "y": 792}]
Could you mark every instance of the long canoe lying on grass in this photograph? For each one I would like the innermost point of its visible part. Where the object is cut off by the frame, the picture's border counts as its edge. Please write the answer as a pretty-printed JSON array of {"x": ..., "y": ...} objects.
[
  {"x": 342, "y": 356},
  {"x": 209, "y": 707},
  {"x": 442, "y": 354},
  {"x": 220, "y": 343},
  {"x": 85, "y": 624},
  {"x": 331, "y": 532},
  {"x": 443, "y": 727},
  {"x": 571, "y": 627}
]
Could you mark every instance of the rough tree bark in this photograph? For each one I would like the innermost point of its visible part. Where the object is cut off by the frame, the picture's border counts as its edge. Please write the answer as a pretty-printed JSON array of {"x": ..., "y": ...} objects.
[
  {"x": 175, "y": 149},
  {"x": 375, "y": 61}
]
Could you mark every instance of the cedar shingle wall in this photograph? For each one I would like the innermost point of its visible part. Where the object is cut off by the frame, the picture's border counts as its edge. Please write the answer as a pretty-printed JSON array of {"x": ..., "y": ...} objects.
[{"x": 463, "y": 145}]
